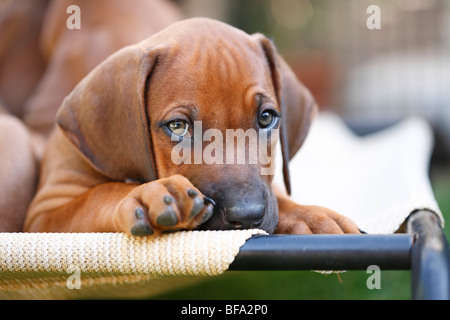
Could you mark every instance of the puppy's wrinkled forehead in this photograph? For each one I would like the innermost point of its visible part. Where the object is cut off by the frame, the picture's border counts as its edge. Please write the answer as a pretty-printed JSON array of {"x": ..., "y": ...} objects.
[{"x": 211, "y": 60}]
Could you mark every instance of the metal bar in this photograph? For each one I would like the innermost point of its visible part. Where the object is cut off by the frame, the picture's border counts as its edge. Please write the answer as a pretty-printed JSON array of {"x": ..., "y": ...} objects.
[
  {"x": 430, "y": 257},
  {"x": 325, "y": 252}
]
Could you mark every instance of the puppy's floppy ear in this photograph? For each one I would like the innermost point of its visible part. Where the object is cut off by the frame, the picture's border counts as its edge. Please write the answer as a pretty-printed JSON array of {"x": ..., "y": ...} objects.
[
  {"x": 106, "y": 116},
  {"x": 296, "y": 103}
]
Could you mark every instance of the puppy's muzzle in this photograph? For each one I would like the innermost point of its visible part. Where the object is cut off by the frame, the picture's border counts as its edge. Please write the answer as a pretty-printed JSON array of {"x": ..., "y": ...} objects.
[
  {"x": 241, "y": 207},
  {"x": 244, "y": 216}
]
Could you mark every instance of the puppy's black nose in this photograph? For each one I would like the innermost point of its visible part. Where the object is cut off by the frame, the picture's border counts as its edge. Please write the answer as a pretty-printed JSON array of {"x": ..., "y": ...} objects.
[{"x": 245, "y": 216}]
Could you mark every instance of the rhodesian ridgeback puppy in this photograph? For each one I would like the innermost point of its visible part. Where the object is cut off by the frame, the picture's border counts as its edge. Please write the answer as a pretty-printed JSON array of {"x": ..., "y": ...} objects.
[{"x": 109, "y": 165}]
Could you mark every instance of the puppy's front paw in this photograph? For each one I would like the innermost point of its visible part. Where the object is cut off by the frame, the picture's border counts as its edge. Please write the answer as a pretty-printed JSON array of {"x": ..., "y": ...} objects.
[
  {"x": 167, "y": 204},
  {"x": 312, "y": 219}
]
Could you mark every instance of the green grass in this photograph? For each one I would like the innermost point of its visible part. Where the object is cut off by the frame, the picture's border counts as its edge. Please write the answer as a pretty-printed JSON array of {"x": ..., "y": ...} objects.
[
  {"x": 286, "y": 285},
  {"x": 441, "y": 186}
]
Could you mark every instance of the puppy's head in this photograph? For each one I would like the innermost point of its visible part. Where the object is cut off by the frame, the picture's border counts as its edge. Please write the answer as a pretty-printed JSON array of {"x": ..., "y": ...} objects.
[{"x": 201, "y": 99}]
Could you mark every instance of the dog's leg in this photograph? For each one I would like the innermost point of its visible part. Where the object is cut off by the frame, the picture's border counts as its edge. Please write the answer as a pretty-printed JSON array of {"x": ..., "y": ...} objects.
[
  {"x": 298, "y": 219},
  {"x": 18, "y": 173},
  {"x": 75, "y": 197},
  {"x": 163, "y": 205}
]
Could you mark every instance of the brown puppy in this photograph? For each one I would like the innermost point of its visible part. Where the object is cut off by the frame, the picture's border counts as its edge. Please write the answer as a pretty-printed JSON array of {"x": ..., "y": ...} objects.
[{"x": 109, "y": 165}]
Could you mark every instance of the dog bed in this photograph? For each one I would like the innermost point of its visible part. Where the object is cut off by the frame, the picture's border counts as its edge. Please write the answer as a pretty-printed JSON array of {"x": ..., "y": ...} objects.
[{"x": 377, "y": 181}]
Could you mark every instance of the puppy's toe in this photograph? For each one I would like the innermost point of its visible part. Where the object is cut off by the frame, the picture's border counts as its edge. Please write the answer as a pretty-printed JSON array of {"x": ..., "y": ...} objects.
[
  {"x": 132, "y": 218},
  {"x": 313, "y": 219},
  {"x": 141, "y": 228},
  {"x": 167, "y": 218}
]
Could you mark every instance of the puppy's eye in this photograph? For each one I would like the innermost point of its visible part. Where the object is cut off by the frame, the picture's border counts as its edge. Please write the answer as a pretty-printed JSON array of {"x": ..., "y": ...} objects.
[
  {"x": 267, "y": 119},
  {"x": 178, "y": 127}
]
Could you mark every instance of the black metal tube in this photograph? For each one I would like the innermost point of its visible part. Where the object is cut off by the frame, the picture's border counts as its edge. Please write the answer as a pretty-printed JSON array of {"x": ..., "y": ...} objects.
[
  {"x": 325, "y": 252},
  {"x": 430, "y": 258}
]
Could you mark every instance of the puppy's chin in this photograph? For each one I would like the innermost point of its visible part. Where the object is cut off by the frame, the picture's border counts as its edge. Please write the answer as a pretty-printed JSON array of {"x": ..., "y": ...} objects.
[{"x": 268, "y": 223}]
